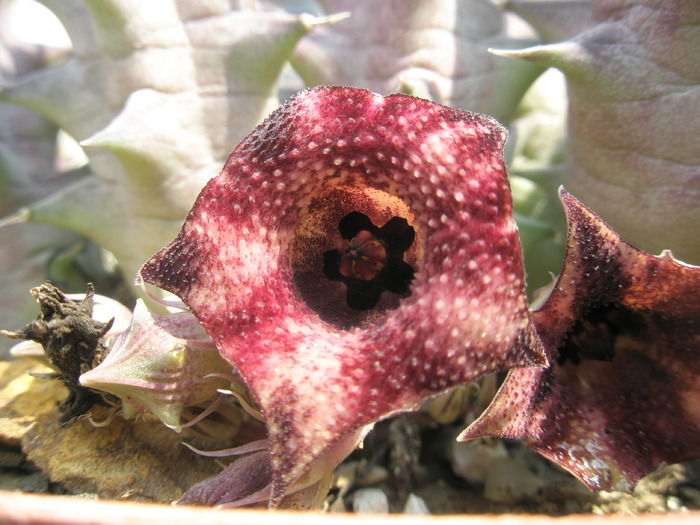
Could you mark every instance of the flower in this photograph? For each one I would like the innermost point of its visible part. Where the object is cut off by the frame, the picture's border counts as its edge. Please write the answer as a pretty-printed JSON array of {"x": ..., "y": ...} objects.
[
  {"x": 249, "y": 263},
  {"x": 622, "y": 333}
]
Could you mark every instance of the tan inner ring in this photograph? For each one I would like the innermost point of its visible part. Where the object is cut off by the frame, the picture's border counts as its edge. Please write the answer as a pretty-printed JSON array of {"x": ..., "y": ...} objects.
[{"x": 318, "y": 232}]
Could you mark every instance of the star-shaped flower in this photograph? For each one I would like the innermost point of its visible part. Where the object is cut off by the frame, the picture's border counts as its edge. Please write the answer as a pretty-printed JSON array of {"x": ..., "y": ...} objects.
[
  {"x": 249, "y": 263},
  {"x": 622, "y": 332}
]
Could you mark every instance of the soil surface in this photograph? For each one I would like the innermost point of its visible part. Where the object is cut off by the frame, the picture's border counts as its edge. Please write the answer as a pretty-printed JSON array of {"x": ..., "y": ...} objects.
[{"x": 528, "y": 484}]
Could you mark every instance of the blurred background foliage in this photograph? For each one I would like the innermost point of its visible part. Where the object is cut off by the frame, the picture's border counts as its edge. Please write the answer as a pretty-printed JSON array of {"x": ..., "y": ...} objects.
[{"x": 114, "y": 113}]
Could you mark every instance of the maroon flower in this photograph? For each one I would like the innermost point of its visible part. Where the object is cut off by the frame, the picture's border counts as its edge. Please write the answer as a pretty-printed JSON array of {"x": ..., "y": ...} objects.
[
  {"x": 249, "y": 263},
  {"x": 622, "y": 332}
]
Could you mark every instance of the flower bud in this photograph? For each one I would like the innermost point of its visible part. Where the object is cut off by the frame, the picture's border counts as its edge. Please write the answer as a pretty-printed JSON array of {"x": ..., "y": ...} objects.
[{"x": 159, "y": 365}]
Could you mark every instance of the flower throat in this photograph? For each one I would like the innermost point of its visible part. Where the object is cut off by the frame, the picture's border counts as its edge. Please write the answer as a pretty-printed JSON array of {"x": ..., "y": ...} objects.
[{"x": 369, "y": 259}]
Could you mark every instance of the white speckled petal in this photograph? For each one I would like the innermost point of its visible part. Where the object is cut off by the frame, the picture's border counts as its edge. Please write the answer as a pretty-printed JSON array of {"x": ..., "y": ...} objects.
[{"x": 621, "y": 329}]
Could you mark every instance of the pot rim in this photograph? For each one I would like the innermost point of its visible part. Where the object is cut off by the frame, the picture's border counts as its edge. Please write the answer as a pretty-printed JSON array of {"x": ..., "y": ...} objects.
[{"x": 32, "y": 509}]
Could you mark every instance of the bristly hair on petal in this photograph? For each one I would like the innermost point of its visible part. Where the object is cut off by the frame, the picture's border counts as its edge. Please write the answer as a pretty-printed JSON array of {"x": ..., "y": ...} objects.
[
  {"x": 622, "y": 333},
  {"x": 249, "y": 263}
]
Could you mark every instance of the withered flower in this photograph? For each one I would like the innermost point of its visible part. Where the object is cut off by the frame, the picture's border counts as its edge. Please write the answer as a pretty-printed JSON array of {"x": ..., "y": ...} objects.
[
  {"x": 622, "y": 332},
  {"x": 250, "y": 259},
  {"x": 72, "y": 340}
]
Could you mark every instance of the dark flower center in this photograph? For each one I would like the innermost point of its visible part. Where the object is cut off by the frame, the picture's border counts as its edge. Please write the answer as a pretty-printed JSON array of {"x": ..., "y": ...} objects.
[
  {"x": 594, "y": 337},
  {"x": 369, "y": 259},
  {"x": 362, "y": 257}
]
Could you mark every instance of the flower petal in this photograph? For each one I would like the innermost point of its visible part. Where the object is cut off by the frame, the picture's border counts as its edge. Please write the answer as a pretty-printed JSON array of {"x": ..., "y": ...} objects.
[
  {"x": 622, "y": 331},
  {"x": 257, "y": 235},
  {"x": 246, "y": 480},
  {"x": 249, "y": 480}
]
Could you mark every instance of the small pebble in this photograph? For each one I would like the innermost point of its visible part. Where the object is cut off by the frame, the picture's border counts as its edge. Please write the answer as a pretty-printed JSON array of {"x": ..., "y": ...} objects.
[
  {"x": 372, "y": 476},
  {"x": 674, "y": 503},
  {"x": 416, "y": 505},
  {"x": 370, "y": 500},
  {"x": 508, "y": 480},
  {"x": 470, "y": 460},
  {"x": 37, "y": 483}
]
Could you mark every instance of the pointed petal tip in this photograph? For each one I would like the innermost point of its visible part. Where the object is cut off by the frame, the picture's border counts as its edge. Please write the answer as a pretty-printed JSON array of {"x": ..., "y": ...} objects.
[
  {"x": 21, "y": 216},
  {"x": 468, "y": 433},
  {"x": 573, "y": 206},
  {"x": 98, "y": 140},
  {"x": 486, "y": 426},
  {"x": 667, "y": 255},
  {"x": 567, "y": 56},
  {"x": 93, "y": 379},
  {"x": 307, "y": 473},
  {"x": 489, "y": 424},
  {"x": 311, "y": 21}
]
